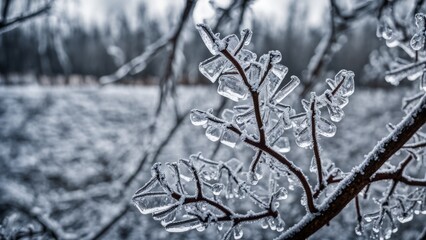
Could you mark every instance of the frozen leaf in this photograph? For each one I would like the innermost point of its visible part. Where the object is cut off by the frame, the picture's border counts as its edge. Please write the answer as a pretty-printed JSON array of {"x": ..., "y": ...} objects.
[
  {"x": 238, "y": 232},
  {"x": 417, "y": 41}
]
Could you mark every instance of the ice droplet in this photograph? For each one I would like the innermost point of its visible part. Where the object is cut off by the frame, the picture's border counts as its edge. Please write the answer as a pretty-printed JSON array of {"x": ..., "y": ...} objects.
[
  {"x": 229, "y": 139},
  {"x": 252, "y": 178},
  {"x": 405, "y": 217},
  {"x": 264, "y": 223},
  {"x": 246, "y": 35},
  {"x": 183, "y": 225},
  {"x": 417, "y": 41},
  {"x": 282, "y": 193},
  {"x": 358, "y": 230},
  {"x": 325, "y": 127},
  {"x": 198, "y": 118},
  {"x": 238, "y": 232},
  {"x": 280, "y": 224},
  {"x": 213, "y": 133},
  {"x": 335, "y": 112},
  {"x": 275, "y": 56},
  {"x": 217, "y": 188},
  {"x": 420, "y": 21},
  {"x": 303, "y": 138}
]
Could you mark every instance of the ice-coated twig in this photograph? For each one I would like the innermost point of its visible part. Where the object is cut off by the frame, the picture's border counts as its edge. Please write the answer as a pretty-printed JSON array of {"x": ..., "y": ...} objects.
[
  {"x": 352, "y": 184},
  {"x": 7, "y": 24}
]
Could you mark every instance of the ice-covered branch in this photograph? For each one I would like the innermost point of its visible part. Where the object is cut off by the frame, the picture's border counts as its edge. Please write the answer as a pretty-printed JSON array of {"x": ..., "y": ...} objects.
[
  {"x": 7, "y": 24},
  {"x": 351, "y": 185}
]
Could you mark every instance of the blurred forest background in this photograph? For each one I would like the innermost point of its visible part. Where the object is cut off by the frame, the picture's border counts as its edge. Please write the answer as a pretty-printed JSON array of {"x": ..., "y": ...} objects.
[
  {"x": 78, "y": 42},
  {"x": 92, "y": 92}
]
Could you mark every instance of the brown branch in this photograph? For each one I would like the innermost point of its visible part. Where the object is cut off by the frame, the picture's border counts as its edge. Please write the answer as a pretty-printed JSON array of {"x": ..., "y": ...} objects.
[
  {"x": 351, "y": 185},
  {"x": 316, "y": 144},
  {"x": 5, "y": 23}
]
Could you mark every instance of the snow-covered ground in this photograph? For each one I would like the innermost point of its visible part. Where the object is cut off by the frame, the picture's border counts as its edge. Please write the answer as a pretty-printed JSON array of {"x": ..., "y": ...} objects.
[{"x": 66, "y": 151}]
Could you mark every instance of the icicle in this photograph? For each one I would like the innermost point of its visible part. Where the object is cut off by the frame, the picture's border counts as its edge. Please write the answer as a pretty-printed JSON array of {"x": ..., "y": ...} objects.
[
  {"x": 228, "y": 115},
  {"x": 254, "y": 73},
  {"x": 325, "y": 127}
]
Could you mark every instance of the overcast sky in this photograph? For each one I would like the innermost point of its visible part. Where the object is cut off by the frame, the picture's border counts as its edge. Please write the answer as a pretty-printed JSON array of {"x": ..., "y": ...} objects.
[{"x": 98, "y": 12}]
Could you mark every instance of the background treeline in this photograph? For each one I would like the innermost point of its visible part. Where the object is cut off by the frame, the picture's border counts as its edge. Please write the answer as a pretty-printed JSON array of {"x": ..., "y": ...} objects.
[{"x": 63, "y": 49}]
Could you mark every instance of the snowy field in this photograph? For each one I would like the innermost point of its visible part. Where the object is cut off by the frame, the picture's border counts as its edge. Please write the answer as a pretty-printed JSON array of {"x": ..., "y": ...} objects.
[{"x": 66, "y": 152}]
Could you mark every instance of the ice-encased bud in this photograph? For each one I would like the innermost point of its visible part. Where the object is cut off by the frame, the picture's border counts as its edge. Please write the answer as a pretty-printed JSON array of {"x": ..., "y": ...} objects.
[
  {"x": 275, "y": 56},
  {"x": 213, "y": 133},
  {"x": 253, "y": 74},
  {"x": 198, "y": 118},
  {"x": 420, "y": 21},
  {"x": 217, "y": 188},
  {"x": 232, "y": 87},
  {"x": 417, "y": 42},
  {"x": 345, "y": 81},
  {"x": 335, "y": 112},
  {"x": 208, "y": 37},
  {"x": 246, "y": 35}
]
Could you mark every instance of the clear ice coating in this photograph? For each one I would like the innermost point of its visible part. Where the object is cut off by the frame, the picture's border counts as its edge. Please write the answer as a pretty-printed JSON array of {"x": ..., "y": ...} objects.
[
  {"x": 282, "y": 145},
  {"x": 287, "y": 89},
  {"x": 209, "y": 38},
  {"x": 418, "y": 40},
  {"x": 396, "y": 75},
  {"x": 148, "y": 203},
  {"x": 198, "y": 118},
  {"x": 213, "y": 67},
  {"x": 213, "y": 133},
  {"x": 229, "y": 138},
  {"x": 232, "y": 87},
  {"x": 183, "y": 225}
]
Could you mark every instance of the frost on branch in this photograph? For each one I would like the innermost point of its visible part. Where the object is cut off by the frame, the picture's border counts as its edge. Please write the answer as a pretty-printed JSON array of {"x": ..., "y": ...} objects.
[{"x": 195, "y": 193}]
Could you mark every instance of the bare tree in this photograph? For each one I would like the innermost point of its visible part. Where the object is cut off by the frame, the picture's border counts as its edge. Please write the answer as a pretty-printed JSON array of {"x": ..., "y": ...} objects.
[{"x": 195, "y": 193}]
